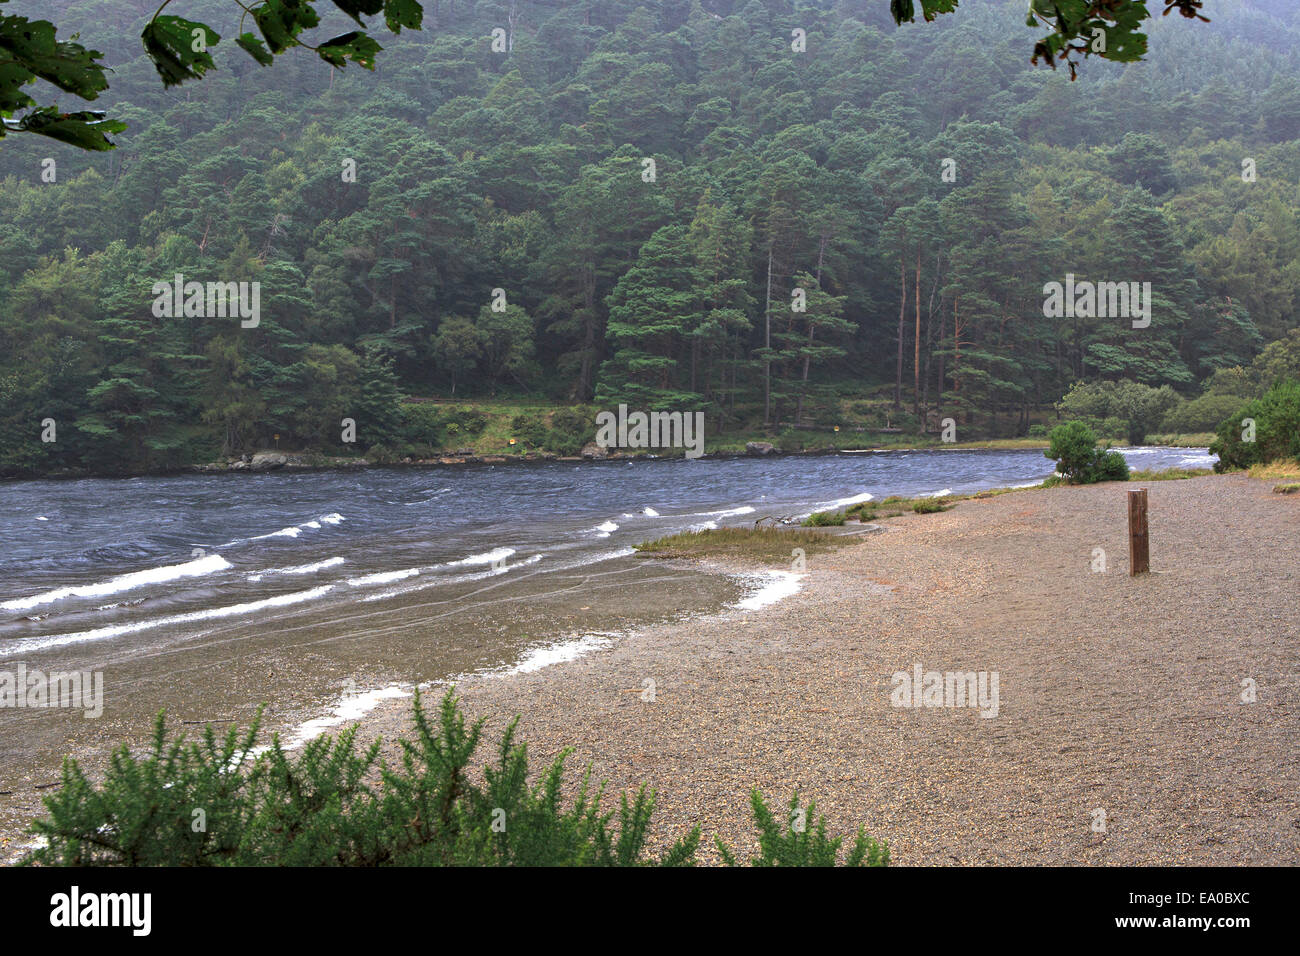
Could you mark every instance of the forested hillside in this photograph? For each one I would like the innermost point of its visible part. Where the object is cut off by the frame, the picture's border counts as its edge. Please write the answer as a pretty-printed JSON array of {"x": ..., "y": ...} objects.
[{"x": 630, "y": 203}]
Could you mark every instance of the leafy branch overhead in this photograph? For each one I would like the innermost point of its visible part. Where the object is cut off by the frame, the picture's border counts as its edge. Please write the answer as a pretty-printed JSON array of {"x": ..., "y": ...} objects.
[{"x": 180, "y": 49}]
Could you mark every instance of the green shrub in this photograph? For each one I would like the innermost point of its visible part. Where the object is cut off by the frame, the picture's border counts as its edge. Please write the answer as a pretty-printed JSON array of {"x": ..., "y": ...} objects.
[
  {"x": 531, "y": 430},
  {"x": 212, "y": 803},
  {"x": 380, "y": 455},
  {"x": 794, "y": 845},
  {"x": 421, "y": 451},
  {"x": 824, "y": 519},
  {"x": 1109, "y": 466},
  {"x": 929, "y": 506},
  {"x": 1276, "y": 434},
  {"x": 464, "y": 422},
  {"x": 571, "y": 428},
  {"x": 567, "y": 430},
  {"x": 1119, "y": 409},
  {"x": 863, "y": 511},
  {"x": 421, "y": 423},
  {"x": 1201, "y": 414},
  {"x": 1037, "y": 431},
  {"x": 1074, "y": 446}
]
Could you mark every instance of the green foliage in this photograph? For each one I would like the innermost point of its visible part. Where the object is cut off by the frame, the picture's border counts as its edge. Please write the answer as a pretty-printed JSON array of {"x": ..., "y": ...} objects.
[
  {"x": 864, "y": 511},
  {"x": 1276, "y": 435},
  {"x": 563, "y": 431},
  {"x": 927, "y": 506},
  {"x": 1137, "y": 408},
  {"x": 388, "y": 219},
  {"x": 824, "y": 519},
  {"x": 793, "y": 843},
  {"x": 1201, "y": 414},
  {"x": 29, "y": 49},
  {"x": 430, "y": 425},
  {"x": 217, "y": 802},
  {"x": 1079, "y": 460}
]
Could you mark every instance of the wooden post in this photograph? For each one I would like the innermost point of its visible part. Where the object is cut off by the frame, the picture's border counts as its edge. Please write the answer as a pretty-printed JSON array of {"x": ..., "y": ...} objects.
[{"x": 1139, "y": 545}]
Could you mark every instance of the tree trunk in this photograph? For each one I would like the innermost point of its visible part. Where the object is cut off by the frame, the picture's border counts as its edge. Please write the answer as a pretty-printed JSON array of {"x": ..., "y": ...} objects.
[
  {"x": 902, "y": 313},
  {"x": 767, "y": 343},
  {"x": 916, "y": 354}
]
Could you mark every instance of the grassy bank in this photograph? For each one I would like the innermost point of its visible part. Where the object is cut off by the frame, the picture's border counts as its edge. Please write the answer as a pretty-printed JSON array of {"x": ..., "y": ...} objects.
[
  {"x": 773, "y": 544},
  {"x": 488, "y": 427},
  {"x": 764, "y": 544}
]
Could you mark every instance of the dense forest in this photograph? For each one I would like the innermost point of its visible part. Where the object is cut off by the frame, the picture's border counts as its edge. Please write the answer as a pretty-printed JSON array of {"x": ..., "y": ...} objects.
[{"x": 768, "y": 211}]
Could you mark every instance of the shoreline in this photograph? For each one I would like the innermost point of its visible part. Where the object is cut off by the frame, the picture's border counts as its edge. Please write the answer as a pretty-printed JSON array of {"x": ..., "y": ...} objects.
[
  {"x": 1113, "y": 695},
  {"x": 899, "y": 585},
  {"x": 294, "y": 463}
]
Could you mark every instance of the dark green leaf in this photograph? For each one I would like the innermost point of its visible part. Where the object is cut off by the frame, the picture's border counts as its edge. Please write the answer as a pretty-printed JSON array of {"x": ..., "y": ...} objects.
[{"x": 171, "y": 42}]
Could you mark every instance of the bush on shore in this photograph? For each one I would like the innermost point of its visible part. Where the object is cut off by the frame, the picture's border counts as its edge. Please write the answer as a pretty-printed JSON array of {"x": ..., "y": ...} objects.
[
  {"x": 212, "y": 803},
  {"x": 1202, "y": 414},
  {"x": 824, "y": 519},
  {"x": 1275, "y": 435},
  {"x": 1074, "y": 446}
]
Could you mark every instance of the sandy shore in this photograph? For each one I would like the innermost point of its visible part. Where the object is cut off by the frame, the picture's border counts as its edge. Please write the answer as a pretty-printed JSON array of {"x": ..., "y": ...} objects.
[{"x": 1116, "y": 694}]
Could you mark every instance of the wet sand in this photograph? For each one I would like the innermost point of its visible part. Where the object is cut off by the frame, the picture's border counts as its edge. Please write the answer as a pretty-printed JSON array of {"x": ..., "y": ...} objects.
[{"x": 300, "y": 669}]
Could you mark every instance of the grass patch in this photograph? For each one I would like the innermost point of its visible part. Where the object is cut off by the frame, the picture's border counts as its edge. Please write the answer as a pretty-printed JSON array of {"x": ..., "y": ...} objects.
[
  {"x": 824, "y": 519},
  {"x": 1169, "y": 474},
  {"x": 995, "y": 492},
  {"x": 760, "y": 544},
  {"x": 929, "y": 506},
  {"x": 1283, "y": 470}
]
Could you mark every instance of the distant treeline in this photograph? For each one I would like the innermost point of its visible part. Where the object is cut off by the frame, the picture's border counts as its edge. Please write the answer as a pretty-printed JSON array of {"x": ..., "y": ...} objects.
[{"x": 660, "y": 204}]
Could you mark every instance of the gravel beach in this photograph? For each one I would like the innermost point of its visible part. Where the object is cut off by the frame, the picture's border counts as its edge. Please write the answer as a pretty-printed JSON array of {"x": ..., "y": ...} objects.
[{"x": 1120, "y": 699}]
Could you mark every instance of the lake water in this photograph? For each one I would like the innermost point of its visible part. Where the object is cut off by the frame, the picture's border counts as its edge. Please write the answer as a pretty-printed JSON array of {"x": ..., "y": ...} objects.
[{"x": 206, "y": 594}]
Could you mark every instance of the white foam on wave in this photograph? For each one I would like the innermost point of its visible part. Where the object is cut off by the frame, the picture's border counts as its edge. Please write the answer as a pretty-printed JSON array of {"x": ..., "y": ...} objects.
[
  {"x": 42, "y": 518},
  {"x": 941, "y": 493},
  {"x": 704, "y": 526},
  {"x": 774, "y": 586},
  {"x": 845, "y": 502},
  {"x": 649, "y": 512},
  {"x": 300, "y": 569},
  {"x": 728, "y": 513},
  {"x": 99, "y": 633},
  {"x": 290, "y": 532},
  {"x": 487, "y": 557},
  {"x": 124, "y": 582},
  {"x": 604, "y": 529},
  {"x": 383, "y": 577},
  {"x": 455, "y": 579}
]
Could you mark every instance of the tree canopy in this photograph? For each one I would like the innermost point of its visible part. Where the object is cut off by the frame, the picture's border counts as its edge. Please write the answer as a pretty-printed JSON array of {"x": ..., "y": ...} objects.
[{"x": 181, "y": 49}]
